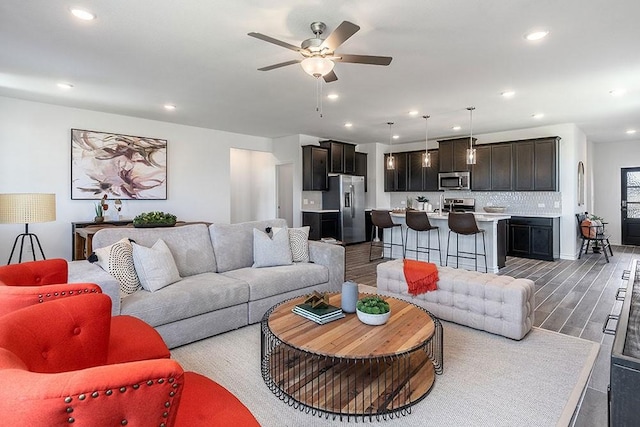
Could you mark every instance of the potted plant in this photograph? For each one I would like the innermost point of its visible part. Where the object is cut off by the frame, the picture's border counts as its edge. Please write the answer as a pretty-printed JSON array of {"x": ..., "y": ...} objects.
[
  {"x": 373, "y": 310},
  {"x": 421, "y": 202},
  {"x": 154, "y": 219},
  {"x": 598, "y": 223},
  {"x": 99, "y": 213}
]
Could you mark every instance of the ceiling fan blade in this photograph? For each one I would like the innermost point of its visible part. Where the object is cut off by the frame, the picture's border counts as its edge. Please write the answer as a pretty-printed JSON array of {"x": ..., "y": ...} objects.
[
  {"x": 275, "y": 41},
  {"x": 364, "y": 59},
  {"x": 281, "y": 64},
  {"x": 330, "y": 77},
  {"x": 340, "y": 35}
]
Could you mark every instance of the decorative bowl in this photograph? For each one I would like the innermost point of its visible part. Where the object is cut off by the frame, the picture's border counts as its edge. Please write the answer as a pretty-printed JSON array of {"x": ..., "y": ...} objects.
[
  {"x": 495, "y": 209},
  {"x": 373, "y": 319}
]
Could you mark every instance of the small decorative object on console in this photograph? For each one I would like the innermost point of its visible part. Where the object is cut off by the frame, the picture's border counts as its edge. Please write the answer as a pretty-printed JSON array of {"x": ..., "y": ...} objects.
[
  {"x": 318, "y": 300},
  {"x": 349, "y": 296},
  {"x": 373, "y": 310},
  {"x": 99, "y": 213},
  {"x": 154, "y": 219}
]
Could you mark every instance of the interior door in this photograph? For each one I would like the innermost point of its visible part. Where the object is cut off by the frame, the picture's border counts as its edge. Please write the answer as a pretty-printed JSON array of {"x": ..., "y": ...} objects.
[{"x": 630, "y": 206}]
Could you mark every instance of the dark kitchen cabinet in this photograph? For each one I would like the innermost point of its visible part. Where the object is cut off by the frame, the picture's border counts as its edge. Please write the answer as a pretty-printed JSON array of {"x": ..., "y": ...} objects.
[
  {"x": 342, "y": 157},
  {"x": 418, "y": 178},
  {"x": 453, "y": 154},
  {"x": 315, "y": 168},
  {"x": 415, "y": 171},
  {"x": 531, "y": 237},
  {"x": 481, "y": 171},
  {"x": 501, "y": 167},
  {"x": 430, "y": 177},
  {"x": 396, "y": 179},
  {"x": 322, "y": 224},
  {"x": 361, "y": 167},
  {"x": 536, "y": 164}
]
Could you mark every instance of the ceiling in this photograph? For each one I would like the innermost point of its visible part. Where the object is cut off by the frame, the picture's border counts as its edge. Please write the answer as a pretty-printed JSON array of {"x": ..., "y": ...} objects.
[{"x": 447, "y": 55}]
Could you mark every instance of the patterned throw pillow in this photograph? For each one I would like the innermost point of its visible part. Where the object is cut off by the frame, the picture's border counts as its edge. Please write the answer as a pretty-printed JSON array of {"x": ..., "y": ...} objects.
[
  {"x": 299, "y": 242},
  {"x": 155, "y": 266},
  {"x": 117, "y": 260},
  {"x": 270, "y": 252}
]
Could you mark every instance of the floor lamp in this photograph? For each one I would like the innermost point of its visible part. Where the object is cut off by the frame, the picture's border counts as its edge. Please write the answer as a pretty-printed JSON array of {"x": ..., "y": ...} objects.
[{"x": 27, "y": 208}]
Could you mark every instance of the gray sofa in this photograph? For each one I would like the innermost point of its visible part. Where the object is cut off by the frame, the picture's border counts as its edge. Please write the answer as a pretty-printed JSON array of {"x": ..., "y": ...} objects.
[{"x": 219, "y": 290}]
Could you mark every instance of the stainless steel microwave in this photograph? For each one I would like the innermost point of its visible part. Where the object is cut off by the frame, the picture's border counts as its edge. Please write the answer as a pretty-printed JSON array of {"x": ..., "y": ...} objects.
[{"x": 454, "y": 181}]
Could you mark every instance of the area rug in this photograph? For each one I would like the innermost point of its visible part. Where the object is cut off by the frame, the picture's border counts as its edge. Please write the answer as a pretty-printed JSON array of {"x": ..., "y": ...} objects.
[{"x": 488, "y": 380}]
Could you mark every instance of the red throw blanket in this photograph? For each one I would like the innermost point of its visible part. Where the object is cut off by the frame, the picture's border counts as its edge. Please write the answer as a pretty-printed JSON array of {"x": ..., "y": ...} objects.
[{"x": 421, "y": 276}]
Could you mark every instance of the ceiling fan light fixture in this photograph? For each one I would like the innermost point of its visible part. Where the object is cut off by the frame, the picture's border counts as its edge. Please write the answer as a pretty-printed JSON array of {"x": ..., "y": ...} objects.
[{"x": 317, "y": 66}]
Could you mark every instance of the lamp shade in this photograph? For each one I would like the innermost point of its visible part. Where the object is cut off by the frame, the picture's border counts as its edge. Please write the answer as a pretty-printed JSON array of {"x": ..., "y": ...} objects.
[
  {"x": 317, "y": 66},
  {"x": 27, "y": 208}
]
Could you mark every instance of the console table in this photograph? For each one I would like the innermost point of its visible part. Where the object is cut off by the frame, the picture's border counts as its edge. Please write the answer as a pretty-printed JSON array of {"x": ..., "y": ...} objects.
[{"x": 82, "y": 235}]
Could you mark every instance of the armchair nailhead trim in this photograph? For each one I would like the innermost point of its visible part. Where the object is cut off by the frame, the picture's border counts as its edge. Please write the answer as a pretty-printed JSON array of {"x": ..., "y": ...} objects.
[
  {"x": 82, "y": 397},
  {"x": 108, "y": 392},
  {"x": 70, "y": 420},
  {"x": 69, "y": 410},
  {"x": 68, "y": 399},
  {"x": 163, "y": 425},
  {"x": 95, "y": 394},
  {"x": 149, "y": 382},
  {"x": 165, "y": 414},
  {"x": 124, "y": 422},
  {"x": 160, "y": 381},
  {"x": 173, "y": 393},
  {"x": 171, "y": 380},
  {"x": 123, "y": 389},
  {"x": 136, "y": 386},
  {"x": 167, "y": 404}
]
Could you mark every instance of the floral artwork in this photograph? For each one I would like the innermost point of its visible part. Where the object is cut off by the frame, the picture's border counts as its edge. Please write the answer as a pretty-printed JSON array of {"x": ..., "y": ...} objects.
[{"x": 117, "y": 166}]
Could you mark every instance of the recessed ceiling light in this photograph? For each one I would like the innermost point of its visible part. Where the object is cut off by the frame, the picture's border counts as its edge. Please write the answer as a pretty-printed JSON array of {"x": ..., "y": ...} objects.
[
  {"x": 508, "y": 93},
  {"x": 396, "y": 136},
  {"x": 169, "y": 107},
  {"x": 348, "y": 125},
  {"x": 537, "y": 116},
  {"x": 333, "y": 96},
  {"x": 631, "y": 131},
  {"x": 456, "y": 127},
  {"x": 536, "y": 35},
  {"x": 65, "y": 85},
  {"x": 413, "y": 113},
  {"x": 617, "y": 92},
  {"x": 83, "y": 14}
]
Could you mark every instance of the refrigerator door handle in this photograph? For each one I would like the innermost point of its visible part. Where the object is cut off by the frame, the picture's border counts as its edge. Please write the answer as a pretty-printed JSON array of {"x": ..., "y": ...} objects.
[{"x": 353, "y": 208}]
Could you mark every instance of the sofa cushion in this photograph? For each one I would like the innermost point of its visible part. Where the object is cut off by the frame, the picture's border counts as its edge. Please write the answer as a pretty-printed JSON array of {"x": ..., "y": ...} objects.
[
  {"x": 266, "y": 282},
  {"x": 190, "y": 244},
  {"x": 117, "y": 260},
  {"x": 299, "y": 242},
  {"x": 155, "y": 266},
  {"x": 189, "y": 297},
  {"x": 233, "y": 243},
  {"x": 271, "y": 251}
]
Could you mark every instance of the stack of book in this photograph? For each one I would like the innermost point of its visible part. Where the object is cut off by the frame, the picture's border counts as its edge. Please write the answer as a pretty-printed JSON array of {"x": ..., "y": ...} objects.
[{"x": 319, "y": 315}]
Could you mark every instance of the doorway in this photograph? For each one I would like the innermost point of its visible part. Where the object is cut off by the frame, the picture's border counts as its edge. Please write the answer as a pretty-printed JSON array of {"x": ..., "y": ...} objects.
[
  {"x": 284, "y": 192},
  {"x": 630, "y": 206}
]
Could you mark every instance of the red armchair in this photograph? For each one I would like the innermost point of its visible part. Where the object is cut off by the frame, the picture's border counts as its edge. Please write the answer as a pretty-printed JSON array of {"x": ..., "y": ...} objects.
[
  {"x": 53, "y": 363},
  {"x": 35, "y": 282}
]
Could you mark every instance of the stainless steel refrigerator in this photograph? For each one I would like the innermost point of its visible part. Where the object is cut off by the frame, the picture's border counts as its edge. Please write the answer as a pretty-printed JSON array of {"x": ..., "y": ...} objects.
[{"x": 346, "y": 194}]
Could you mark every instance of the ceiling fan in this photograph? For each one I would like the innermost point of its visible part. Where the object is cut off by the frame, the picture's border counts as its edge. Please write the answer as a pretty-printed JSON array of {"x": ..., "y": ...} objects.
[{"x": 319, "y": 54}]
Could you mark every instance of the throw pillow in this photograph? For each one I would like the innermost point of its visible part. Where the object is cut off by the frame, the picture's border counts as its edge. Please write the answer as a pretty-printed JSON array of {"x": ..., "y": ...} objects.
[
  {"x": 155, "y": 266},
  {"x": 299, "y": 242},
  {"x": 117, "y": 260},
  {"x": 269, "y": 252}
]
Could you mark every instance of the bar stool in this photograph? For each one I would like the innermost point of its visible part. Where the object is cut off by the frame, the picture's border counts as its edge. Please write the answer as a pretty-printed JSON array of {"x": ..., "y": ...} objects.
[
  {"x": 465, "y": 224},
  {"x": 382, "y": 219},
  {"x": 419, "y": 222}
]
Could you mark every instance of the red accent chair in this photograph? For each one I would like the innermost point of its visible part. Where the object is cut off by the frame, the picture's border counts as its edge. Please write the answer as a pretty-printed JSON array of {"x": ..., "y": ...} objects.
[
  {"x": 35, "y": 282},
  {"x": 55, "y": 371}
]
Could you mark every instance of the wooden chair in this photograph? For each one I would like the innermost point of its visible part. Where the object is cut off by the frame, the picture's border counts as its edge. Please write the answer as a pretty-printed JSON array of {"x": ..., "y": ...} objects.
[{"x": 595, "y": 233}]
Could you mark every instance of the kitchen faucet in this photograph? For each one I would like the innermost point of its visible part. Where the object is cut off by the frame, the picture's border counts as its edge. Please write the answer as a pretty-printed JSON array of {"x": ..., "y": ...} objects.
[{"x": 441, "y": 202}]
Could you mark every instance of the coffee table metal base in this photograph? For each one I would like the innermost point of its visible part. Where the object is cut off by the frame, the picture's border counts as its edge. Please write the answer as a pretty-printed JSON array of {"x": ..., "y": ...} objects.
[{"x": 374, "y": 388}]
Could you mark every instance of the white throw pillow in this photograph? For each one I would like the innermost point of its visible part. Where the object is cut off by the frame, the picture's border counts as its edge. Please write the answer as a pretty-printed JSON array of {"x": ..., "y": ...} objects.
[
  {"x": 299, "y": 242},
  {"x": 269, "y": 252},
  {"x": 155, "y": 266},
  {"x": 117, "y": 260}
]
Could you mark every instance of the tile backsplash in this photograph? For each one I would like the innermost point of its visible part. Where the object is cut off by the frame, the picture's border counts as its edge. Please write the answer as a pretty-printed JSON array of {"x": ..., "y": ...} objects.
[{"x": 516, "y": 202}]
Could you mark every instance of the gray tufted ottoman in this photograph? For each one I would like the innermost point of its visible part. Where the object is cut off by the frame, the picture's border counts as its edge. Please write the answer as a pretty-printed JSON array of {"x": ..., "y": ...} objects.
[{"x": 498, "y": 304}]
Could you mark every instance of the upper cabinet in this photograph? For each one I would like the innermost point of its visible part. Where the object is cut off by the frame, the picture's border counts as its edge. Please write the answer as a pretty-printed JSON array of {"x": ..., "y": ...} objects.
[
  {"x": 361, "y": 167},
  {"x": 536, "y": 164},
  {"x": 342, "y": 155},
  {"x": 453, "y": 154},
  {"x": 315, "y": 167},
  {"x": 409, "y": 175},
  {"x": 493, "y": 170}
]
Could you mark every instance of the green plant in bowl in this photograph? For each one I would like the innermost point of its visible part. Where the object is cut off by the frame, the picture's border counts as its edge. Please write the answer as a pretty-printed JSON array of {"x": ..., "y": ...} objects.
[
  {"x": 154, "y": 219},
  {"x": 373, "y": 310}
]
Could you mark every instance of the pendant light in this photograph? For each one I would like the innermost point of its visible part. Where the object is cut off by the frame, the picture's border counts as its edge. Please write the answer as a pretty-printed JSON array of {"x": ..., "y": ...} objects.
[
  {"x": 426, "y": 158},
  {"x": 391, "y": 160},
  {"x": 471, "y": 152}
]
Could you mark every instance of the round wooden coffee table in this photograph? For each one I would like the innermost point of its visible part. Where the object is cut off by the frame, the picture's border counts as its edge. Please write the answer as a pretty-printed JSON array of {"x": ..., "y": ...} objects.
[{"x": 346, "y": 368}]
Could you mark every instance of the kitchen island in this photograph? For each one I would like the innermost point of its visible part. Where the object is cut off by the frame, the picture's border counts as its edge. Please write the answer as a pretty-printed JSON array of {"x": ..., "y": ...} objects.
[{"x": 495, "y": 226}]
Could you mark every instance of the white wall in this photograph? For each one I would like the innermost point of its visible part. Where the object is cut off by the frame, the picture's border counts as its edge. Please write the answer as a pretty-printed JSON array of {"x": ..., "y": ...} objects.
[
  {"x": 252, "y": 185},
  {"x": 609, "y": 158},
  {"x": 35, "y": 142}
]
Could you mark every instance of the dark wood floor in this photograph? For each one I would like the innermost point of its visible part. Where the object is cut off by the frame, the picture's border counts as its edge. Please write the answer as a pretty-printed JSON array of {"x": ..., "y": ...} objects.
[{"x": 572, "y": 298}]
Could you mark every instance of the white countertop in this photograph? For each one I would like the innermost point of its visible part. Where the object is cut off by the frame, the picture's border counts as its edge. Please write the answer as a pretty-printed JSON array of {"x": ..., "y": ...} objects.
[
  {"x": 320, "y": 210},
  {"x": 480, "y": 217}
]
